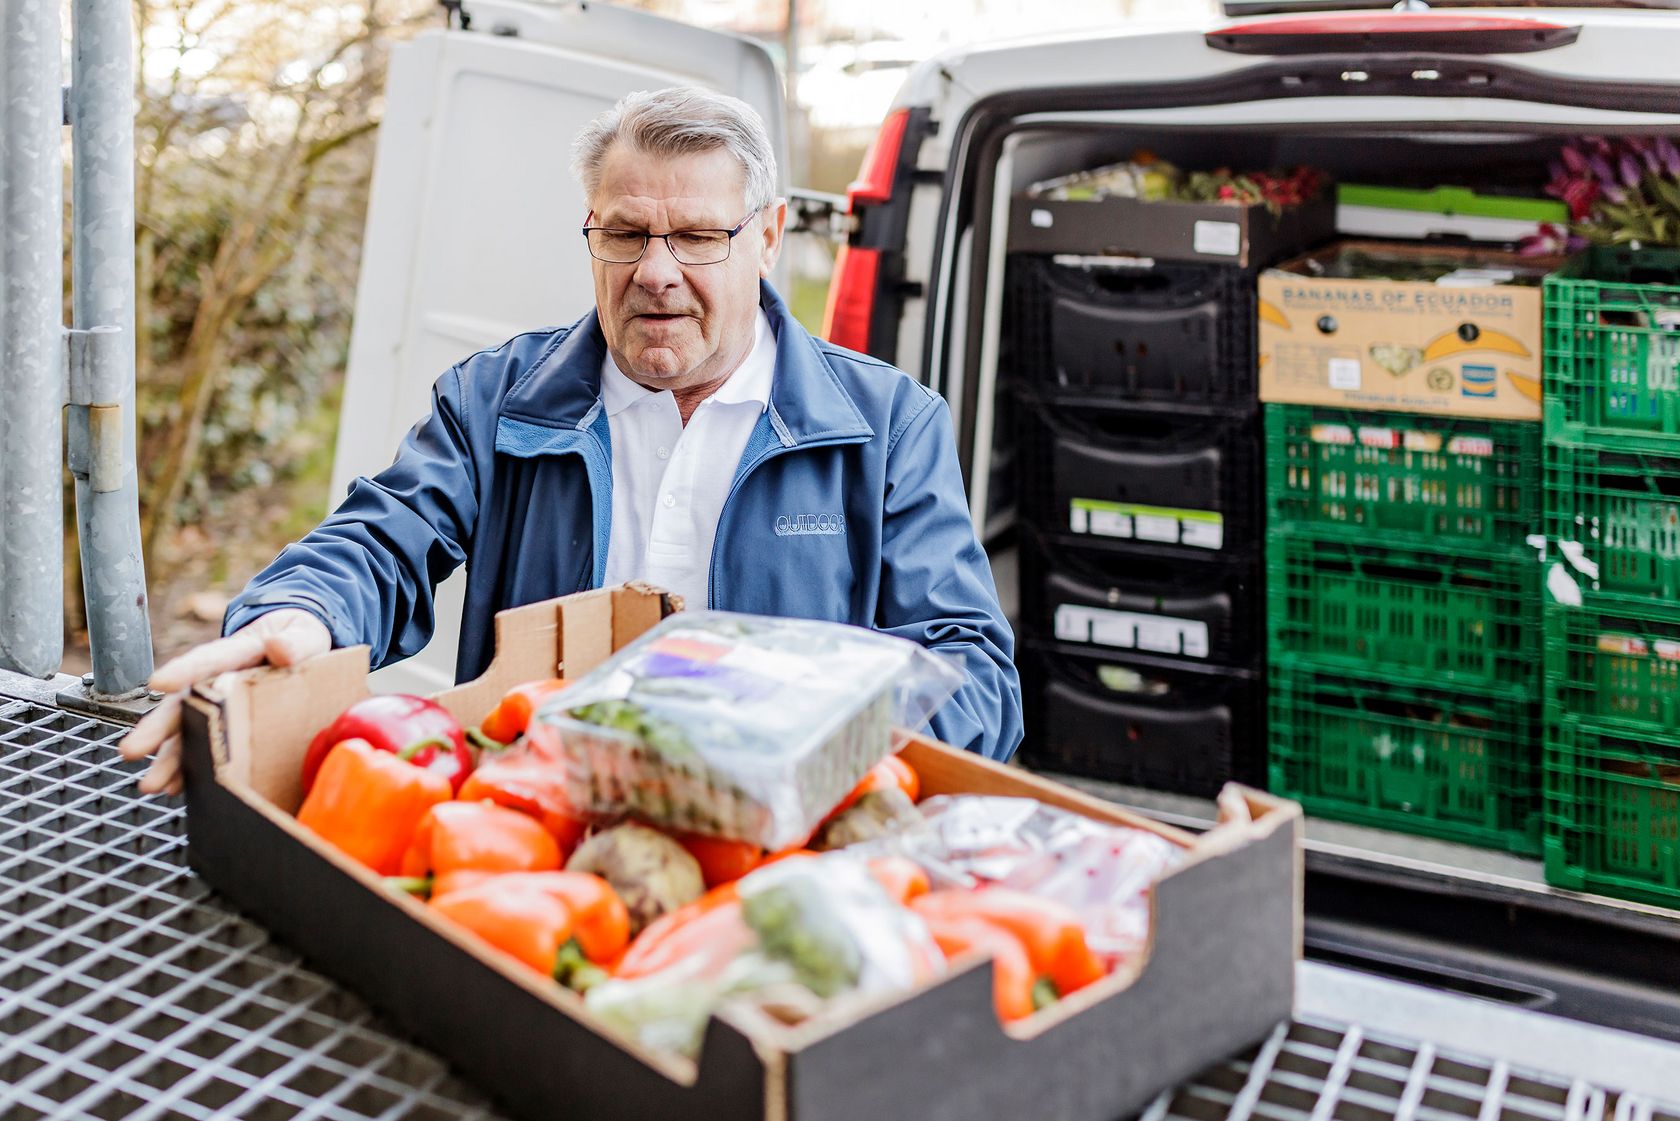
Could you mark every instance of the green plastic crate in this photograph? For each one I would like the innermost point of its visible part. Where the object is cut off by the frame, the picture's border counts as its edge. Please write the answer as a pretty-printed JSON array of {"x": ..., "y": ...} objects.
[
  {"x": 1623, "y": 509},
  {"x": 1459, "y": 482},
  {"x": 1445, "y": 764},
  {"x": 1615, "y": 668},
  {"x": 1612, "y": 811},
  {"x": 1612, "y": 348},
  {"x": 1426, "y": 618}
]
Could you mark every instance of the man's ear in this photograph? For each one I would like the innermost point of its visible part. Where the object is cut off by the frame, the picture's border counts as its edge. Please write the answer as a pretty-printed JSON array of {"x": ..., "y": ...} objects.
[{"x": 774, "y": 222}]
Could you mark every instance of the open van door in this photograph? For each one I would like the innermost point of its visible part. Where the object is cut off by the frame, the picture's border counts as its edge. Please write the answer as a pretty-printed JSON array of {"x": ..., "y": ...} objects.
[{"x": 472, "y": 227}]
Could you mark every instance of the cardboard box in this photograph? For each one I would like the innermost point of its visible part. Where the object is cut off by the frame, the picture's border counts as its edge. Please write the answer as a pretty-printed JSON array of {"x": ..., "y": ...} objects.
[
  {"x": 1219, "y": 975},
  {"x": 1214, "y": 233},
  {"x": 1403, "y": 346}
]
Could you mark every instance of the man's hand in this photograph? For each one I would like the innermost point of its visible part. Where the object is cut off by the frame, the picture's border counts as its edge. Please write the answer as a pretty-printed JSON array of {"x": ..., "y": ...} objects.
[{"x": 280, "y": 638}]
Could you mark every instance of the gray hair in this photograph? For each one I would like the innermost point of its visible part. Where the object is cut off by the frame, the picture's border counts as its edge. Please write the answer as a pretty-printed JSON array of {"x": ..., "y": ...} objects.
[{"x": 679, "y": 121}]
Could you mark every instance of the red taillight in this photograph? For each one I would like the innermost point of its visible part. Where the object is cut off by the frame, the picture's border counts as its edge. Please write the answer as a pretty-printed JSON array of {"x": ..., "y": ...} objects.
[
  {"x": 875, "y": 178},
  {"x": 851, "y": 297},
  {"x": 1392, "y": 31},
  {"x": 851, "y": 289}
]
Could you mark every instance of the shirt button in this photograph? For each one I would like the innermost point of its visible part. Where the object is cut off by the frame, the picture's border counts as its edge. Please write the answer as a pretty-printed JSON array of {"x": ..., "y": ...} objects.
[
  {"x": 670, "y": 501},
  {"x": 664, "y": 453}
]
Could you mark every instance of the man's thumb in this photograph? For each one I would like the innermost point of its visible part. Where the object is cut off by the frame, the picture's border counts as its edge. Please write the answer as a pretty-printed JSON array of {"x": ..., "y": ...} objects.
[{"x": 295, "y": 644}]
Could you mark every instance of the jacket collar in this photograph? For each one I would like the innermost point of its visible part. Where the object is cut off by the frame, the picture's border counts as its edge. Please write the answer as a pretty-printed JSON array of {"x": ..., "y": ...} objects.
[{"x": 562, "y": 389}]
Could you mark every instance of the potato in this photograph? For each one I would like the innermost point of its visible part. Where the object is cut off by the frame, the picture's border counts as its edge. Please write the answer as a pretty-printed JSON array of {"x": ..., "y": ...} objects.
[{"x": 651, "y": 872}]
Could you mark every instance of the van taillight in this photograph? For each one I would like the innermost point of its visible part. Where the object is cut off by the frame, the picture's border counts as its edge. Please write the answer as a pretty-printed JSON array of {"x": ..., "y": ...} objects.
[
  {"x": 851, "y": 297},
  {"x": 851, "y": 289},
  {"x": 875, "y": 178}
]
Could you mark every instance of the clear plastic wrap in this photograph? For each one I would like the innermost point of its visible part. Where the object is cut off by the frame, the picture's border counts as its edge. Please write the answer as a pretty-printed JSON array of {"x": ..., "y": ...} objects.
[
  {"x": 1101, "y": 871},
  {"x": 822, "y": 929},
  {"x": 739, "y": 726}
]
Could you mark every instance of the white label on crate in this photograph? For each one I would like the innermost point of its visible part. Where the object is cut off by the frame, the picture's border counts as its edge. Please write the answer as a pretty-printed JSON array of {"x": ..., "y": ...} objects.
[
  {"x": 1344, "y": 373},
  {"x": 1111, "y": 523},
  {"x": 1041, "y": 218},
  {"x": 1079, "y": 518},
  {"x": 1153, "y": 527},
  {"x": 1204, "y": 534},
  {"x": 1220, "y": 239},
  {"x": 1073, "y": 624},
  {"x": 1129, "y": 630},
  {"x": 1195, "y": 637}
]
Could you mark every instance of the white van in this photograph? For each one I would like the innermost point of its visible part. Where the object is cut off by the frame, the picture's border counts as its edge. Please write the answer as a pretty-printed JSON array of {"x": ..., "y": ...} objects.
[
  {"x": 472, "y": 238},
  {"x": 472, "y": 229}
]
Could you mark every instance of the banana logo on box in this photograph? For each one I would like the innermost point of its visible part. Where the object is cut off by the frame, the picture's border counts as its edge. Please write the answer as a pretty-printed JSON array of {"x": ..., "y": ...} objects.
[{"x": 1469, "y": 337}]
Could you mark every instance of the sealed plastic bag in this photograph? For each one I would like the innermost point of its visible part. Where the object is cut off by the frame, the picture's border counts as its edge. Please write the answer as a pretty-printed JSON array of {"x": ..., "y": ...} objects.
[
  {"x": 816, "y": 928},
  {"x": 1101, "y": 871},
  {"x": 739, "y": 726}
]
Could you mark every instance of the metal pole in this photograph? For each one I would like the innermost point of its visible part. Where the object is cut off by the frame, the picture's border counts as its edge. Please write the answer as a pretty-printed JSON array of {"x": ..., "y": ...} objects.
[
  {"x": 31, "y": 328},
  {"x": 102, "y": 419}
]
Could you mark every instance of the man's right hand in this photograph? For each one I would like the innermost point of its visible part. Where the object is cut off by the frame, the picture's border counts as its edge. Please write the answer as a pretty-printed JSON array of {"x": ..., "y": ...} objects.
[{"x": 280, "y": 638}]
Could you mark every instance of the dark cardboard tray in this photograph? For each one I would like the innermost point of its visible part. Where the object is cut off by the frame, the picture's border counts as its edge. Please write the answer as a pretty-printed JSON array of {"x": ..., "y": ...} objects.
[
  {"x": 1206, "y": 232},
  {"x": 1219, "y": 976}
]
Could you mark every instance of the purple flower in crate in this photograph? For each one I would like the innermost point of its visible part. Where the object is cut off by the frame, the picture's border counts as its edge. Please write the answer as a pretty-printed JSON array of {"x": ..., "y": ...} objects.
[
  {"x": 1632, "y": 173},
  {"x": 1572, "y": 159},
  {"x": 1642, "y": 147},
  {"x": 1601, "y": 169},
  {"x": 1667, "y": 155},
  {"x": 1614, "y": 195}
]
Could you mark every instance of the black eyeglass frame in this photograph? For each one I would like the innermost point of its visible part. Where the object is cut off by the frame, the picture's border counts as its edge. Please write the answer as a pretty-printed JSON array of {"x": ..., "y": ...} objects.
[{"x": 647, "y": 239}]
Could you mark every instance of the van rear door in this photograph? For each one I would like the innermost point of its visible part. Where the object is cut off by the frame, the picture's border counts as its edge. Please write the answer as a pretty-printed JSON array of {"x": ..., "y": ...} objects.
[{"x": 472, "y": 227}]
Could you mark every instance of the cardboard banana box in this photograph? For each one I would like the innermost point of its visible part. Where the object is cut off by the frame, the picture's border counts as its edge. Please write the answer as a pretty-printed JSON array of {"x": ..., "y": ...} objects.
[
  {"x": 1469, "y": 345},
  {"x": 1218, "y": 976}
]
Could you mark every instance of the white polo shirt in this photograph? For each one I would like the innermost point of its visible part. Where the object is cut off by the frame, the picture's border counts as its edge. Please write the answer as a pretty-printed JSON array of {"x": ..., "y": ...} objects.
[{"x": 670, "y": 481}]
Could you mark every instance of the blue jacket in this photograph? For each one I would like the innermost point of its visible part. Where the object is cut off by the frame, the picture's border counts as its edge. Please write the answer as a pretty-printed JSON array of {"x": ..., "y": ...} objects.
[{"x": 847, "y": 505}]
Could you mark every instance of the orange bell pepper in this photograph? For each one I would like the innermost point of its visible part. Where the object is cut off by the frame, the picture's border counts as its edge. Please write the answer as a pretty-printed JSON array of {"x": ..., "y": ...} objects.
[
  {"x": 512, "y": 714},
  {"x": 721, "y": 861},
  {"x": 564, "y": 925},
  {"x": 369, "y": 803},
  {"x": 1050, "y": 931},
  {"x": 1017, "y": 990},
  {"x": 530, "y": 788},
  {"x": 478, "y": 837}
]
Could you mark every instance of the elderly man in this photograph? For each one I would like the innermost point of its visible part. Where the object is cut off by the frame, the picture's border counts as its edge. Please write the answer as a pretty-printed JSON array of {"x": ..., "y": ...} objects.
[{"x": 687, "y": 432}]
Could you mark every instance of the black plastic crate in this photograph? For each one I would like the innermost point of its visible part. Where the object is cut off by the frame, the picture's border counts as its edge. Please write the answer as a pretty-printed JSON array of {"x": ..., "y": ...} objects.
[
  {"x": 1187, "y": 730},
  {"x": 1204, "y": 612},
  {"x": 1112, "y": 476},
  {"x": 1169, "y": 334}
]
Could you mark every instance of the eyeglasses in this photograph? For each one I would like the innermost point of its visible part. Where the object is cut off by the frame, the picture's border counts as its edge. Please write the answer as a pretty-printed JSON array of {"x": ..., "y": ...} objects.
[{"x": 689, "y": 247}]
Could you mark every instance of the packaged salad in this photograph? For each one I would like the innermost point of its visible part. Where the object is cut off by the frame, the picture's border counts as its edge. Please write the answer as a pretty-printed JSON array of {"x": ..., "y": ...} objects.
[{"x": 741, "y": 726}]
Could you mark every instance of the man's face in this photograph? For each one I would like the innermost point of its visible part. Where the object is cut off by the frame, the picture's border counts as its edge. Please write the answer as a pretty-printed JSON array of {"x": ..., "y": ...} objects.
[{"x": 670, "y": 325}]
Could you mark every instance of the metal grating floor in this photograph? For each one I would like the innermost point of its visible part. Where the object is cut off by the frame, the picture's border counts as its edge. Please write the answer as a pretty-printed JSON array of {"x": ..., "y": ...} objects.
[{"x": 127, "y": 990}]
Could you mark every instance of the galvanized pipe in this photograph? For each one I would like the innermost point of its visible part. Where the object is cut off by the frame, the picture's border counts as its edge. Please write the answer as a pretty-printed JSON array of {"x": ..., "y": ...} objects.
[
  {"x": 102, "y": 417},
  {"x": 31, "y": 327}
]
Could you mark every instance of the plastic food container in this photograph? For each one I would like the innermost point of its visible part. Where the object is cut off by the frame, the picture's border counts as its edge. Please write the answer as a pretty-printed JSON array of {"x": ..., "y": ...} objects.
[{"x": 740, "y": 726}]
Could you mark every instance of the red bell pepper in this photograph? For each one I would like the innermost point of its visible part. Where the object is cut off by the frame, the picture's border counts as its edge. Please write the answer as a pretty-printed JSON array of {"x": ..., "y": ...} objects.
[{"x": 412, "y": 728}]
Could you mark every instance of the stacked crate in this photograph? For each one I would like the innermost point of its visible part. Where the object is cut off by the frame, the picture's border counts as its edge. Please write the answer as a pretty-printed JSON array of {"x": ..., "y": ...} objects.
[
  {"x": 1137, "y": 437},
  {"x": 1404, "y": 617},
  {"x": 1612, "y": 504}
]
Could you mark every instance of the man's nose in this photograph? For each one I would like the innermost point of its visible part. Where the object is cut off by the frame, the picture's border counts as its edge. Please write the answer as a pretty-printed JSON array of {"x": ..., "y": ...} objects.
[{"x": 658, "y": 268}]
